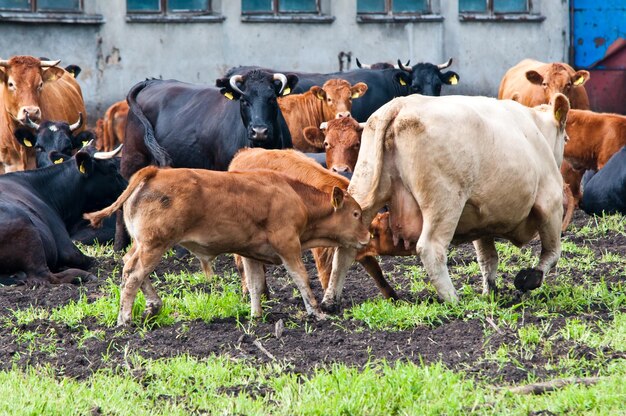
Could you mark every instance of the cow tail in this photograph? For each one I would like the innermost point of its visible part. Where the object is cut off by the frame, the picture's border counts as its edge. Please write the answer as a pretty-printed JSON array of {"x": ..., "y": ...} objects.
[
  {"x": 107, "y": 131},
  {"x": 137, "y": 180},
  {"x": 158, "y": 153}
]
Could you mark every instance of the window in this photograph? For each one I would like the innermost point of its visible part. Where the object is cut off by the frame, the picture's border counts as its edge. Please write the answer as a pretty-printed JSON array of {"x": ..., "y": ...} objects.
[
  {"x": 498, "y": 10},
  {"x": 63, "y": 6},
  {"x": 186, "y": 11},
  {"x": 393, "y": 6},
  {"x": 291, "y": 11}
]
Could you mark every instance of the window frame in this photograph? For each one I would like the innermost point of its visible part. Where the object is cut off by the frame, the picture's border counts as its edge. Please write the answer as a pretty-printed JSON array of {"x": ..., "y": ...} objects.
[
  {"x": 34, "y": 8},
  {"x": 163, "y": 10},
  {"x": 277, "y": 16},
  {"x": 491, "y": 15},
  {"x": 276, "y": 10},
  {"x": 163, "y": 15},
  {"x": 389, "y": 10},
  {"x": 389, "y": 16}
]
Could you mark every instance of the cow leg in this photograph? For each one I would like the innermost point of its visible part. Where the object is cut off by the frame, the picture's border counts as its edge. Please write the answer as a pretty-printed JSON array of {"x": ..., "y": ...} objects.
[
  {"x": 72, "y": 276},
  {"x": 550, "y": 236},
  {"x": 488, "y": 261},
  {"x": 153, "y": 301},
  {"x": 298, "y": 273},
  {"x": 373, "y": 269},
  {"x": 206, "y": 263},
  {"x": 342, "y": 260},
  {"x": 568, "y": 207},
  {"x": 122, "y": 239},
  {"x": 323, "y": 257},
  {"x": 255, "y": 276},
  {"x": 244, "y": 284},
  {"x": 432, "y": 247},
  {"x": 142, "y": 262}
]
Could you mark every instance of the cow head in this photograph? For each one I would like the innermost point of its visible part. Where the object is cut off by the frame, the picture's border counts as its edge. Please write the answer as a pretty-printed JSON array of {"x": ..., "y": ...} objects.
[
  {"x": 102, "y": 182},
  {"x": 257, "y": 92},
  {"x": 554, "y": 116},
  {"x": 427, "y": 79},
  {"x": 557, "y": 78},
  {"x": 341, "y": 139},
  {"x": 347, "y": 220},
  {"x": 336, "y": 96},
  {"x": 52, "y": 136},
  {"x": 23, "y": 79}
]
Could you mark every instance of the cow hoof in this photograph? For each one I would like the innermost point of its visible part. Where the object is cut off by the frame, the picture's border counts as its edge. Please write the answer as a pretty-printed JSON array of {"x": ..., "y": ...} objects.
[
  {"x": 320, "y": 316},
  {"x": 330, "y": 307},
  {"x": 87, "y": 277},
  {"x": 151, "y": 311},
  {"x": 36, "y": 282},
  {"x": 528, "y": 279}
]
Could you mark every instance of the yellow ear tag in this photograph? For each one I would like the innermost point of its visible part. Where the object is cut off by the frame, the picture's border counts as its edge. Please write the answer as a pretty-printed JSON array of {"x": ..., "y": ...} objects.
[
  {"x": 454, "y": 80},
  {"x": 320, "y": 97},
  {"x": 27, "y": 143},
  {"x": 286, "y": 91},
  {"x": 229, "y": 95},
  {"x": 356, "y": 95},
  {"x": 85, "y": 143},
  {"x": 81, "y": 168},
  {"x": 557, "y": 115},
  {"x": 580, "y": 80},
  {"x": 401, "y": 81},
  {"x": 60, "y": 160}
]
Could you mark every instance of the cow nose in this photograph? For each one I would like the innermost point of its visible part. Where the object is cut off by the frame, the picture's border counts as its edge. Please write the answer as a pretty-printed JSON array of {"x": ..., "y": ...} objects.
[
  {"x": 340, "y": 168},
  {"x": 343, "y": 114},
  {"x": 34, "y": 113},
  {"x": 259, "y": 133}
]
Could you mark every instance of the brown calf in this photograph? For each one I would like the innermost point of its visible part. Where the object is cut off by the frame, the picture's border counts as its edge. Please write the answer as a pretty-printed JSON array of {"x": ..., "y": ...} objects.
[
  {"x": 304, "y": 169},
  {"x": 114, "y": 125},
  {"x": 333, "y": 99},
  {"x": 341, "y": 138},
  {"x": 264, "y": 216}
]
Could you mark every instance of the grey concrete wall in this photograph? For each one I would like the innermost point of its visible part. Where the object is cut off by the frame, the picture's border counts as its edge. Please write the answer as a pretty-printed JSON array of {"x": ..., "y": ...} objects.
[{"x": 117, "y": 54}]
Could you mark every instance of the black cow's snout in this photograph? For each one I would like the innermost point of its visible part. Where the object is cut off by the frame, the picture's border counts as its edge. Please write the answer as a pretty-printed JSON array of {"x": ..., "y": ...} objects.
[{"x": 259, "y": 133}]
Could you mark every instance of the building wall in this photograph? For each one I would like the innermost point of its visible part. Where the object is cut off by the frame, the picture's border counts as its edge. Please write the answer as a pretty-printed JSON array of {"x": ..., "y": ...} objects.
[{"x": 117, "y": 54}]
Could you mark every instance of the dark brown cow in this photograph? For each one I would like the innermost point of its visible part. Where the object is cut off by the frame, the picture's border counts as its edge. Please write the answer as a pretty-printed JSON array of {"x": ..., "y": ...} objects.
[
  {"x": 341, "y": 138},
  {"x": 319, "y": 104},
  {"x": 114, "y": 126},
  {"x": 40, "y": 90},
  {"x": 265, "y": 216},
  {"x": 304, "y": 169}
]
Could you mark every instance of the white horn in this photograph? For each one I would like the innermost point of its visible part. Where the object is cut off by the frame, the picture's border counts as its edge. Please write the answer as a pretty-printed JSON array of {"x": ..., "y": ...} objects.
[
  {"x": 362, "y": 126},
  {"x": 324, "y": 126},
  {"x": 30, "y": 123},
  {"x": 283, "y": 80},
  {"x": 78, "y": 123},
  {"x": 362, "y": 66},
  {"x": 233, "y": 83},
  {"x": 108, "y": 155},
  {"x": 445, "y": 65},
  {"x": 45, "y": 64}
]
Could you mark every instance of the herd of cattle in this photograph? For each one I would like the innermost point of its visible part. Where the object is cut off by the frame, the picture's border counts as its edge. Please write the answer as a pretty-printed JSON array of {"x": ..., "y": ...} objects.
[{"x": 381, "y": 165}]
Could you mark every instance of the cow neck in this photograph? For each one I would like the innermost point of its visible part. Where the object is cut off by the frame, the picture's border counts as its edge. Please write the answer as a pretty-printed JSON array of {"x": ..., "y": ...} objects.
[{"x": 62, "y": 177}]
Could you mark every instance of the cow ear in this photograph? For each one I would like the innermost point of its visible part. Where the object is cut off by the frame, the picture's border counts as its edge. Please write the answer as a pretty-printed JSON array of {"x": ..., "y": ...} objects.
[
  {"x": 358, "y": 90},
  {"x": 450, "y": 78},
  {"x": 580, "y": 77},
  {"x": 84, "y": 163},
  {"x": 337, "y": 198},
  {"x": 402, "y": 78},
  {"x": 3, "y": 75},
  {"x": 292, "y": 81},
  {"x": 516, "y": 96},
  {"x": 534, "y": 77},
  {"x": 57, "y": 157},
  {"x": 82, "y": 138},
  {"x": 314, "y": 137},
  {"x": 74, "y": 70},
  {"x": 560, "y": 108},
  {"x": 318, "y": 92},
  {"x": 52, "y": 74},
  {"x": 25, "y": 137},
  {"x": 226, "y": 90}
]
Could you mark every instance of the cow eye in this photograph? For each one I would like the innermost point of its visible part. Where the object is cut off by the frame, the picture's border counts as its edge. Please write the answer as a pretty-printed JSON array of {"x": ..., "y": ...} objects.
[
  {"x": 326, "y": 145},
  {"x": 328, "y": 99},
  {"x": 40, "y": 86},
  {"x": 38, "y": 149},
  {"x": 11, "y": 85},
  {"x": 356, "y": 214}
]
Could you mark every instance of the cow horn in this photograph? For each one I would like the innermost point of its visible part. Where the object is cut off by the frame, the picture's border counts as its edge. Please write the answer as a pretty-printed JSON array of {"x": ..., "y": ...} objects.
[
  {"x": 283, "y": 80},
  {"x": 79, "y": 123},
  {"x": 445, "y": 65},
  {"x": 233, "y": 83},
  {"x": 362, "y": 126},
  {"x": 363, "y": 66},
  {"x": 404, "y": 68},
  {"x": 324, "y": 126},
  {"x": 45, "y": 64},
  {"x": 4, "y": 62},
  {"x": 30, "y": 123},
  {"x": 89, "y": 143},
  {"x": 108, "y": 155}
]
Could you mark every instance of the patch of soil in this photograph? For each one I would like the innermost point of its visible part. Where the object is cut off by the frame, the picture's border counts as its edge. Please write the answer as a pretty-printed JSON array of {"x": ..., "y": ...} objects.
[{"x": 304, "y": 343}]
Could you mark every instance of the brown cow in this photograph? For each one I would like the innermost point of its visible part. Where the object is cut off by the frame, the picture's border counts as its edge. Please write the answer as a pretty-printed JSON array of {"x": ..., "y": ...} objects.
[
  {"x": 302, "y": 168},
  {"x": 317, "y": 105},
  {"x": 341, "y": 138},
  {"x": 265, "y": 216},
  {"x": 40, "y": 90},
  {"x": 114, "y": 125}
]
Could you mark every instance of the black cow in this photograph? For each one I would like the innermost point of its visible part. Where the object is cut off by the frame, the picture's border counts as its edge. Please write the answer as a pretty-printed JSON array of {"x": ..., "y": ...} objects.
[
  {"x": 36, "y": 208},
  {"x": 172, "y": 123},
  {"x": 427, "y": 79},
  {"x": 52, "y": 136},
  {"x": 605, "y": 191},
  {"x": 382, "y": 86}
]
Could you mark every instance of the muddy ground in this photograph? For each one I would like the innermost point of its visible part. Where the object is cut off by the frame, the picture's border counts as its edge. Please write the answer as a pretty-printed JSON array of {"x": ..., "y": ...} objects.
[{"x": 305, "y": 343}]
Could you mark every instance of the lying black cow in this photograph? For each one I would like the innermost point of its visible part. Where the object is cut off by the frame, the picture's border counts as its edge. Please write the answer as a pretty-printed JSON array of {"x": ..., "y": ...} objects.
[
  {"x": 172, "y": 123},
  {"x": 383, "y": 84},
  {"x": 37, "y": 206},
  {"x": 606, "y": 190}
]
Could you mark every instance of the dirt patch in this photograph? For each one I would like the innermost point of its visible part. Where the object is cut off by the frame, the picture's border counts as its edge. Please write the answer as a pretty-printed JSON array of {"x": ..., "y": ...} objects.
[{"x": 304, "y": 343}]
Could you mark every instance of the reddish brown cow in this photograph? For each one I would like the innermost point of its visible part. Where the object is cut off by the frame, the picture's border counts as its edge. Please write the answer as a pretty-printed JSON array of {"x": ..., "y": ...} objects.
[
  {"x": 317, "y": 105},
  {"x": 114, "y": 125},
  {"x": 304, "y": 169},
  {"x": 341, "y": 138},
  {"x": 263, "y": 215},
  {"x": 40, "y": 90}
]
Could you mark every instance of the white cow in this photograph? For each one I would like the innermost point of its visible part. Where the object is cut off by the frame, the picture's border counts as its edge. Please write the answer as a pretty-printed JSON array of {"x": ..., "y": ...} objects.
[{"x": 458, "y": 168}]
